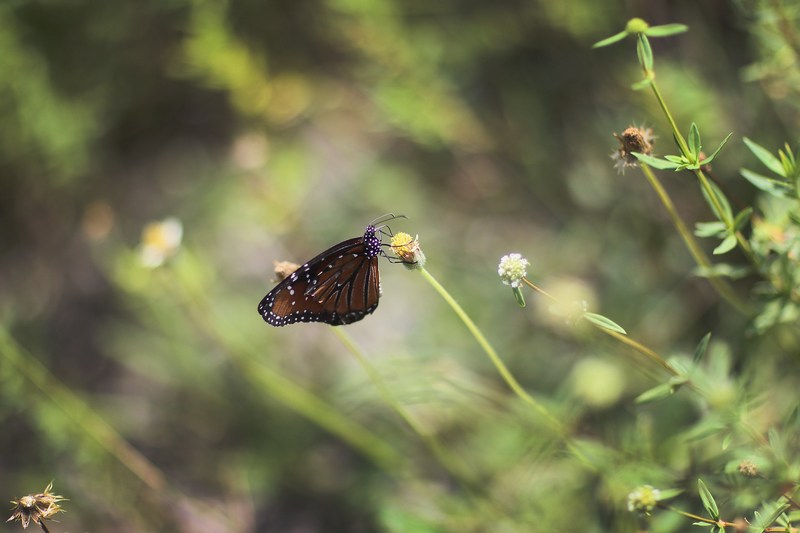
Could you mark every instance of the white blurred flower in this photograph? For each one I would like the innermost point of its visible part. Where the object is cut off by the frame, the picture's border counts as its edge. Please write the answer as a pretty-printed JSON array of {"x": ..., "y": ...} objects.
[
  {"x": 512, "y": 269},
  {"x": 643, "y": 499},
  {"x": 160, "y": 241}
]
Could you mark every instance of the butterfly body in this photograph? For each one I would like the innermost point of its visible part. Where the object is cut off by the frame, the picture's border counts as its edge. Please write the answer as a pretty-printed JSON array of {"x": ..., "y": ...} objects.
[{"x": 339, "y": 286}]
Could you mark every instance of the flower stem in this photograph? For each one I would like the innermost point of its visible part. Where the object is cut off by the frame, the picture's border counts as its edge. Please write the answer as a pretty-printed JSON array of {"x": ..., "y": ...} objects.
[
  {"x": 456, "y": 469},
  {"x": 701, "y": 177},
  {"x": 721, "y": 286},
  {"x": 504, "y": 372},
  {"x": 247, "y": 356},
  {"x": 489, "y": 350}
]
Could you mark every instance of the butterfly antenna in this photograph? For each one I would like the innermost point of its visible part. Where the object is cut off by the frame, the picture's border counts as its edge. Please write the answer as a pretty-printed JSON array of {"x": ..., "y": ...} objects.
[{"x": 385, "y": 218}]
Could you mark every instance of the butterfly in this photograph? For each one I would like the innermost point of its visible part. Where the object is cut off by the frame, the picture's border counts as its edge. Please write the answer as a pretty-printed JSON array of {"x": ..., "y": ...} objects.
[{"x": 339, "y": 286}]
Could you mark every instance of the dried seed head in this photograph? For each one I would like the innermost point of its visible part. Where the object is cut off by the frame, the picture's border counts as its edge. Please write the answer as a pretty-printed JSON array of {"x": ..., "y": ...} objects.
[
  {"x": 283, "y": 269},
  {"x": 36, "y": 507},
  {"x": 748, "y": 468},
  {"x": 633, "y": 139}
]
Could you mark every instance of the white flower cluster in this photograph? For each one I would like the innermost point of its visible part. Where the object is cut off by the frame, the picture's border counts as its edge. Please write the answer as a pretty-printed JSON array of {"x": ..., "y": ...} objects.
[{"x": 512, "y": 269}]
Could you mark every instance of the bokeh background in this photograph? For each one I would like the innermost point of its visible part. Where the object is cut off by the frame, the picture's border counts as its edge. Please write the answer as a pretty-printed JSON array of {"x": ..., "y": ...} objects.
[{"x": 157, "y": 156}]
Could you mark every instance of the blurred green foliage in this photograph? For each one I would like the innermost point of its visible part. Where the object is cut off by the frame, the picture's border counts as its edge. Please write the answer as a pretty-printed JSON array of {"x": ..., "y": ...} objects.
[{"x": 158, "y": 156}]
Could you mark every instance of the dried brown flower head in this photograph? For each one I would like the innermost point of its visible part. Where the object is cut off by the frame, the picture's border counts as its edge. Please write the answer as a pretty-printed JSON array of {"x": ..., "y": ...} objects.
[
  {"x": 283, "y": 269},
  {"x": 36, "y": 507},
  {"x": 632, "y": 140},
  {"x": 748, "y": 468}
]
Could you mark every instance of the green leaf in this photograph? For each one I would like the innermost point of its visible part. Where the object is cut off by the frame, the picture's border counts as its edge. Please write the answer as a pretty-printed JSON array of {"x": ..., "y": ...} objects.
[
  {"x": 710, "y": 158},
  {"x": 742, "y": 218},
  {"x": 654, "y": 162},
  {"x": 726, "y": 442},
  {"x": 710, "y": 229},
  {"x": 603, "y": 322},
  {"x": 769, "y": 514},
  {"x": 678, "y": 159},
  {"x": 702, "y": 347},
  {"x": 727, "y": 214},
  {"x": 610, "y": 40},
  {"x": 723, "y": 270},
  {"x": 785, "y": 162},
  {"x": 644, "y": 52},
  {"x": 774, "y": 438},
  {"x": 643, "y": 84},
  {"x": 694, "y": 140},
  {"x": 659, "y": 392},
  {"x": 727, "y": 244},
  {"x": 519, "y": 296},
  {"x": 665, "y": 30},
  {"x": 763, "y": 155},
  {"x": 668, "y": 494},
  {"x": 778, "y": 188},
  {"x": 708, "y": 500}
]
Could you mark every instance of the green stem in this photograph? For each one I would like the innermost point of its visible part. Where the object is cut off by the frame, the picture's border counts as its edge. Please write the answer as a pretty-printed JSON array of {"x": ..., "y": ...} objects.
[
  {"x": 84, "y": 417},
  {"x": 503, "y": 370},
  {"x": 456, "y": 469},
  {"x": 489, "y": 350},
  {"x": 722, "y": 287},
  {"x": 682, "y": 144},
  {"x": 701, "y": 177},
  {"x": 295, "y": 396},
  {"x": 324, "y": 415}
]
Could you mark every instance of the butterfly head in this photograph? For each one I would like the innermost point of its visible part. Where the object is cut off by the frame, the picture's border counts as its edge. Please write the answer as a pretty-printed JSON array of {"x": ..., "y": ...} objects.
[{"x": 372, "y": 243}]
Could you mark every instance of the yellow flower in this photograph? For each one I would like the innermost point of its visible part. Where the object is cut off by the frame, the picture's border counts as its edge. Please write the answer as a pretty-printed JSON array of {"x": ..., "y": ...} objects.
[
  {"x": 408, "y": 250},
  {"x": 160, "y": 241}
]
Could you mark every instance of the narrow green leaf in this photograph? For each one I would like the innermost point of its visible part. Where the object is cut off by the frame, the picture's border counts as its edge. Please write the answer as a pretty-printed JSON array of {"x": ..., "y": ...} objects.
[
  {"x": 668, "y": 494},
  {"x": 644, "y": 52},
  {"x": 768, "y": 514},
  {"x": 677, "y": 159},
  {"x": 694, "y": 140},
  {"x": 723, "y": 270},
  {"x": 702, "y": 347},
  {"x": 727, "y": 214},
  {"x": 708, "y": 500},
  {"x": 710, "y": 158},
  {"x": 726, "y": 442},
  {"x": 665, "y": 30},
  {"x": 519, "y": 296},
  {"x": 780, "y": 189},
  {"x": 727, "y": 244},
  {"x": 603, "y": 322},
  {"x": 710, "y": 229},
  {"x": 659, "y": 392},
  {"x": 763, "y": 155},
  {"x": 790, "y": 154},
  {"x": 644, "y": 84},
  {"x": 774, "y": 440},
  {"x": 742, "y": 218},
  {"x": 610, "y": 40},
  {"x": 655, "y": 162},
  {"x": 702, "y": 524}
]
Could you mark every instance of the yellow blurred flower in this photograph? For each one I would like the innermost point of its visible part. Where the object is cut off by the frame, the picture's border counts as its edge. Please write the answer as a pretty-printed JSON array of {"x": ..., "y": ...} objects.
[{"x": 160, "y": 241}]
